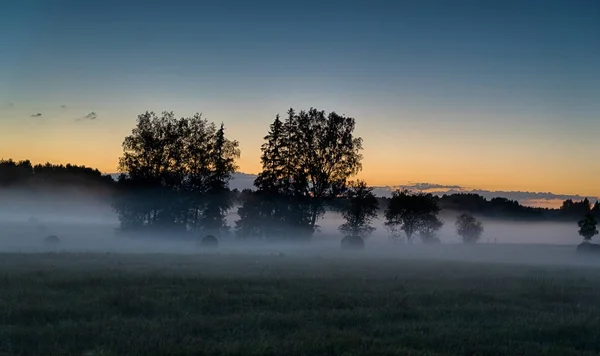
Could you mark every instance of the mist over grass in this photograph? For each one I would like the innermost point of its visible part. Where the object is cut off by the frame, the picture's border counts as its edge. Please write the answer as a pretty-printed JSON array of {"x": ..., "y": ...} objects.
[
  {"x": 84, "y": 225},
  {"x": 86, "y": 222},
  {"x": 100, "y": 292}
]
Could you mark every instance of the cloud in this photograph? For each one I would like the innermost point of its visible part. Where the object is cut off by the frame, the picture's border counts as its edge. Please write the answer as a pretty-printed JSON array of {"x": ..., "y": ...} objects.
[
  {"x": 90, "y": 116},
  {"x": 36, "y": 115},
  {"x": 434, "y": 188},
  {"x": 430, "y": 186}
]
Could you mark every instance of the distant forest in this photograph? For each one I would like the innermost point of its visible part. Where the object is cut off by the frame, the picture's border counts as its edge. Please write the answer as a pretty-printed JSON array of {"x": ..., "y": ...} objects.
[{"x": 176, "y": 173}]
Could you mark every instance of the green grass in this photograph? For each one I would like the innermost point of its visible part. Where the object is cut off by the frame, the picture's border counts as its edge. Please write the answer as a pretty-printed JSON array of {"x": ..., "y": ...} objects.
[{"x": 106, "y": 304}]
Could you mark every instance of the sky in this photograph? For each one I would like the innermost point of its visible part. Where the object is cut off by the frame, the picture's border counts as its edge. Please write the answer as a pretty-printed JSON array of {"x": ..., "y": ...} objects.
[{"x": 488, "y": 95}]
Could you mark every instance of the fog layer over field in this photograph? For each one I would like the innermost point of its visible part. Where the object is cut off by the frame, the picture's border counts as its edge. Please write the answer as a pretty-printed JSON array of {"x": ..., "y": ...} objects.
[{"x": 87, "y": 226}]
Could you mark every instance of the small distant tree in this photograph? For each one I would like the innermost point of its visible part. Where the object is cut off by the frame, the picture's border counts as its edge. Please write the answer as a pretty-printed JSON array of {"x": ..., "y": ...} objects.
[
  {"x": 409, "y": 212},
  {"x": 469, "y": 228},
  {"x": 587, "y": 227},
  {"x": 360, "y": 210}
]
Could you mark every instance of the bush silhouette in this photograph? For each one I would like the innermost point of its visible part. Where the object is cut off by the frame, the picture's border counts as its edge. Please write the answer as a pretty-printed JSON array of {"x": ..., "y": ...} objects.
[
  {"x": 352, "y": 242},
  {"x": 209, "y": 241}
]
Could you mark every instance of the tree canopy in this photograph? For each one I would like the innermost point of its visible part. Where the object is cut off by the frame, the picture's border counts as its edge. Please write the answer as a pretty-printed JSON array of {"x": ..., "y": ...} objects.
[
  {"x": 587, "y": 227},
  {"x": 410, "y": 213},
  {"x": 359, "y": 208},
  {"x": 307, "y": 159},
  {"x": 177, "y": 173},
  {"x": 468, "y": 228}
]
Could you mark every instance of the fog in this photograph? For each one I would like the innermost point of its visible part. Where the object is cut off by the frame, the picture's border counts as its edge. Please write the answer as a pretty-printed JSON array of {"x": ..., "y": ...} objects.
[{"x": 88, "y": 225}]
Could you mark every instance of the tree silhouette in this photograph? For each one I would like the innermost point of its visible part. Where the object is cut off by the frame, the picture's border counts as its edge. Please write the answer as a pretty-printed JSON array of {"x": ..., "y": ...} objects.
[
  {"x": 430, "y": 225},
  {"x": 177, "y": 173},
  {"x": 324, "y": 155},
  {"x": 587, "y": 227},
  {"x": 469, "y": 228},
  {"x": 223, "y": 154},
  {"x": 596, "y": 210},
  {"x": 571, "y": 209},
  {"x": 410, "y": 212},
  {"x": 359, "y": 210},
  {"x": 15, "y": 173},
  {"x": 252, "y": 222},
  {"x": 306, "y": 161},
  {"x": 266, "y": 212},
  {"x": 275, "y": 177}
]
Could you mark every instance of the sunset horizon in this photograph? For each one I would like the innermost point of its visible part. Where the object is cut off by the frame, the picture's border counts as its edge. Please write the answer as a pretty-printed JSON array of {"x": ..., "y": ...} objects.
[{"x": 441, "y": 93}]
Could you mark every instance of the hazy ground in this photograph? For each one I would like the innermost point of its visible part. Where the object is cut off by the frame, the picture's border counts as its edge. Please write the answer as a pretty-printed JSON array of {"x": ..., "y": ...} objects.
[
  {"x": 143, "y": 304},
  {"x": 85, "y": 227},
  {"x": 98, "y": 293}
]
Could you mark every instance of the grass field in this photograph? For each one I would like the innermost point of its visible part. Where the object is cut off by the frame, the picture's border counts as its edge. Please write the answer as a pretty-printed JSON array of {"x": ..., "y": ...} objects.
[{"x": 116, "y": 304}]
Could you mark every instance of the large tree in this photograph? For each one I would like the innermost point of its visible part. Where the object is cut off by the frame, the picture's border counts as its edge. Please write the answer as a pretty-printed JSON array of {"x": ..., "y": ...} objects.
[
  {"x": 325, "y": 153},
  {"x": 322, "y": 154},
  {"x": 265, "y": 213},
  {"x": 359, "y": 209},
  {"x": 409, "y": 212},
  {"x": 306, "y": 161},
  {"x": 179, "y": 168}
]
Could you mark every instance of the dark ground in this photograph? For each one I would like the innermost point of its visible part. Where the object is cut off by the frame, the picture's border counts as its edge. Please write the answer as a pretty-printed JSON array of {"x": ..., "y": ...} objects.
[{"x": 111, "y": 304}]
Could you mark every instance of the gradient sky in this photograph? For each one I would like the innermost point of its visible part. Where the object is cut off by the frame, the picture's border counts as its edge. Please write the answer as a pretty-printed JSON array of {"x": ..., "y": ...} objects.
[{"x": 497, "y": 95}]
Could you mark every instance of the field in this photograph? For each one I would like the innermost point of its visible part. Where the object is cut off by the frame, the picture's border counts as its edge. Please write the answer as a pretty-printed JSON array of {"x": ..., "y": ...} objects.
[{"x": 229, "y": 304}]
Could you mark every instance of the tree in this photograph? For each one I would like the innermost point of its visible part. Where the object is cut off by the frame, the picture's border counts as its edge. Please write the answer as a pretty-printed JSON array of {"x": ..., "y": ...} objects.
[
  {"x": 223, "y": 154},
  {"x": 252, "y": 222},
  {"x": 15, "y": 173},
  {"x": 410, "y": 212},
  {"x": 571, "y": 209},
  {"x": 587, "y": 227},
  {"x": 265, "y": 212},
  {"x": 177, "y": 173},
  {"x": 323, "y": 153},
  {"x": 274, "y": 177},
  {"x": 306, "y": 162},
  {"x": 430, "y": 225},
  {"x": 596, "y": 210},
  {"x": 359, "y": 210},
  {"x": 469, "y": 228}
]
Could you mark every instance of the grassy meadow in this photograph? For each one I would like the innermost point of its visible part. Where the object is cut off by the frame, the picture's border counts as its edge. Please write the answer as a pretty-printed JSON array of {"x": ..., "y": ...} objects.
[{"x": 218, "y": 304}]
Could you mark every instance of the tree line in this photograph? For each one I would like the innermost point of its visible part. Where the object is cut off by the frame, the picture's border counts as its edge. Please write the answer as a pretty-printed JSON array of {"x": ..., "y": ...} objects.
[{"x": 175, "y": 175}]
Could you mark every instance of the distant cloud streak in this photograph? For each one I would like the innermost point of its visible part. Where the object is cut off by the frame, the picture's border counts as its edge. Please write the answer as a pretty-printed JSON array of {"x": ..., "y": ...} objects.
[
  {"x": 429, "y": 186},
  {"x": 91, "y": 116}
]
